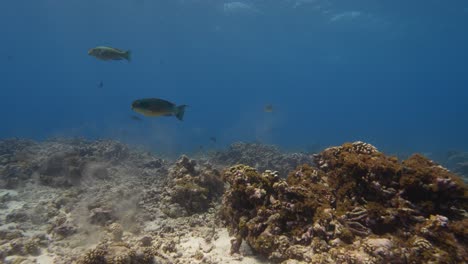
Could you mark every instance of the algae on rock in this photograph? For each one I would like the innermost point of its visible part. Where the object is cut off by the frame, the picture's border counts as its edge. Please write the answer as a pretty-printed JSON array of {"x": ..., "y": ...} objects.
[{"x": 356, "y": 204}]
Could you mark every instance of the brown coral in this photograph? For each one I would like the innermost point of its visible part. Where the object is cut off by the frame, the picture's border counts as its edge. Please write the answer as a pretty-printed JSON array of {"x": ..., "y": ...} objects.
[
  {"x": 433, "y": 188},
  {"x": 355, "y": 193},
  {"x": 194, "y": 186}
]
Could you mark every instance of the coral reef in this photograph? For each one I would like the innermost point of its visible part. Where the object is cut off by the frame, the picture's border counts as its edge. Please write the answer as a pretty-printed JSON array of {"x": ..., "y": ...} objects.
[
  {"x": 78, "y": 201},
  {"x": 118, "y": 253},
  {"x": 97, "y": 194},
  {"x": 432, "y": 188},
  {"x": 14, "y": 165},
  {"x": 14, "y": 243},
  {"x": 66, "y": 162},
  {"x": 261, "y": 157},
  {"x": 109, "y": 217},
  {"x": 356, "y": 205},
  {"x": 457, "y": 161},
  {"x": 192, "y": 187},
  {"x": 67, "y": 169}
]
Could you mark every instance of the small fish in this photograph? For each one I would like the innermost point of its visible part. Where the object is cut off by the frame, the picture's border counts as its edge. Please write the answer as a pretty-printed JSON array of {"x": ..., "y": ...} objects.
[
  {"x": 9, "y": 57},
  {"x": 101, "y": 84},
  {"x": 158, "y": 107},
  {"x": 136, "y": 118},
  {"x": 268, "y": 108},
  {"x": 213, "y": 139},
  {"x": 108, "y": 53}
]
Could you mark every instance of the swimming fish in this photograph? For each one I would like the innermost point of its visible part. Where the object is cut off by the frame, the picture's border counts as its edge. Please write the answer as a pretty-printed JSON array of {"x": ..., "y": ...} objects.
[
  {"x": 213, "y": 139},
  {"x": 108, "y": 53},
  {"x": 268, "y": 108},
  {"x": 101, "y": 84},
  {"x": 158, "y": 107}
]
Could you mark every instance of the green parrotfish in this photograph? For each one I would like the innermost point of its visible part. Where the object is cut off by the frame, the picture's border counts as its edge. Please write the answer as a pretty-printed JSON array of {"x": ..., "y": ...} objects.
[
  {"x": 158, "y": 107},
  {"x": 108, "y": 53}
]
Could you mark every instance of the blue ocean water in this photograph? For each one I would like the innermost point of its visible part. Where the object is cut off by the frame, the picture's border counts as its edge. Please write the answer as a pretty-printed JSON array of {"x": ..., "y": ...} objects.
[{"x": 391, "y": 73}]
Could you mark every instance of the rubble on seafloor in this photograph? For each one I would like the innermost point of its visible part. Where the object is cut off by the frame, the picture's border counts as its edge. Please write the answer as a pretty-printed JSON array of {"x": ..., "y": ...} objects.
[
  {"x": 79, "y": 201},
  {"x": 89, "y": 202}
]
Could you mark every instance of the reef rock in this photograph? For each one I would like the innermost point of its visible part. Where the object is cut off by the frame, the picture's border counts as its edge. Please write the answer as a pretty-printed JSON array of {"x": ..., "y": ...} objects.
[
  {"x": 58, "y": 162},
  {"x": 14, "y": 168},
  {"x": 192, "y": 187},
  {"x": 456, "y": 161},
  {"x": 356, "y": 205},
  {"x": 62, "y": 170},
  {"x": 101, "y": 216},
  {"x": 115, "y": 253}
]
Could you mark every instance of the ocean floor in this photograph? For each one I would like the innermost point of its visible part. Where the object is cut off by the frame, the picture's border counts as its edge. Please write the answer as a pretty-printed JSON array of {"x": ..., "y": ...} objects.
[
  {"x": 79, "y": 201},
  {"x": 61, "y": 198},
  {"x": 30, "y": 240}
]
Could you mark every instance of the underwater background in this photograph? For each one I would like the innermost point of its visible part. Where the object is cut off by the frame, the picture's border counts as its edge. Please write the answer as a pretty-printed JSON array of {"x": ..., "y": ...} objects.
[
  {"x": 391, "y": 73},
  {"x": 316, "y": 131}
]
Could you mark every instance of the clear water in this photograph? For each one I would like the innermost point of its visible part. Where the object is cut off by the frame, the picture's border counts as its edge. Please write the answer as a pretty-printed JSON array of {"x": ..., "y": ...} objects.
[{"x": 392, "y": 73}]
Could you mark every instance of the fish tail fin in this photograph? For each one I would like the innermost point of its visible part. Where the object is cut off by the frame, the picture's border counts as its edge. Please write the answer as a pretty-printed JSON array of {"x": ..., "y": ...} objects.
[
  {"x": 128, "y": 54},
  {"x": 180, "y": 111}
]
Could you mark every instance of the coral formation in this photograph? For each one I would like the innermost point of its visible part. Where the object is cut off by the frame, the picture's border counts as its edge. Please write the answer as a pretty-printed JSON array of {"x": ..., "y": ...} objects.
[
  {"x": 21, "y": 245},
  {"x": 432, "y": 188},
  {"x": 118, "y": 253},
  {"x": 457, "y": 161},
  {"x": 14, "y": 168},
  {"x": 356, "y": 205},
  {"x": 192, "y": 187},
  {"x": 78, "y": 201},
  {"x": 261, "y": 157},
  {"x": 62, "y": 163}
]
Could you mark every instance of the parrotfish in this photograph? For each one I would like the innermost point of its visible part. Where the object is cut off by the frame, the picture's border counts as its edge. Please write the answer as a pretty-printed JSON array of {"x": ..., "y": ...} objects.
[
  {"x": 158, "y": 107},
  {"x": 108, "y": 53}
]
